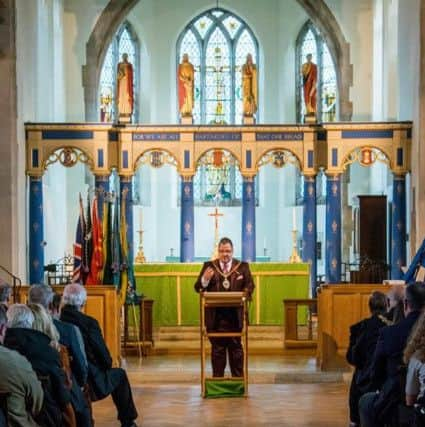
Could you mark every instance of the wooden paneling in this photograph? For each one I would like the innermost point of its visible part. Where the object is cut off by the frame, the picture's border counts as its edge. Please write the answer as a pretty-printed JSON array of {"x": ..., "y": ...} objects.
[
  {"x": 340, "y": 306},
  {"x": 102, "y": 304}
]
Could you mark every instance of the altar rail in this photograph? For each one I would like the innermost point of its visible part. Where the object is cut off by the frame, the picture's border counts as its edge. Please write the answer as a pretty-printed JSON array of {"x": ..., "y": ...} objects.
[
  {"x": 172, "y": 285},
  {"x": 339, "y": 307}
]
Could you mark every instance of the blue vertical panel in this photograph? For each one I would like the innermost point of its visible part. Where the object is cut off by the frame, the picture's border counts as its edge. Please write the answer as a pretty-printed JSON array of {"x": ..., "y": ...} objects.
[
  {"x": 100, "y": 159},
  {"x": 248, "y": 159},
  {"x": 310, "y": 229},
  {"x": 248, "y": 220},
  {"x": 186, "y": 159},
  {"x": 35, "y": 160},
  {"x": 101, "y": 183},
  {"x": 333, "y": 229},
  {"x": 398, "y": 231},
  {"x": 125, "y": 159},
  {"x": 399, "y": 157},
  {"x": 36, "y": 234},
  {"x": 187, "y": 222},
  {"x": 334, "y": 156},
  {"x": 310, "y": 158}
]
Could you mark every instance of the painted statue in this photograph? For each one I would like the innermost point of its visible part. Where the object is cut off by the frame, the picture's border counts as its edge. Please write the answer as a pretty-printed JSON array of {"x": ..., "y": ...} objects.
[
  {"x": 125, "y": 90},
  {"x": 249, "y": 87},
  {"x": 309, "y": 73},
  {"x": 186, "y": 81}
]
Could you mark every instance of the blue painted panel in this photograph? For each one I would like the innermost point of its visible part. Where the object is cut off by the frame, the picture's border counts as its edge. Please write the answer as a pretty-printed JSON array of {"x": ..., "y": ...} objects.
[
  {"x": 218, "y": 136},
  {"x": 125, "y": 159},
  {"x": 322, "y": 136},
  {"x": 158, "y": 136},
  {"x": 113, "y": 135},
  {"x": 334, "y": 157},
  {"x": 35, "y": 161},
  {"x": 310, "y": 158},
  {"x": 279, "y": 136},
  {"x": 67, "y": 134},
  {"x": 399, "y": 157},
  {"x": 186, "y": 159},
  {"x": 248, "y": 159},
  {"x": 100, "y": 157},
  {"x": 367, "y": 134}
]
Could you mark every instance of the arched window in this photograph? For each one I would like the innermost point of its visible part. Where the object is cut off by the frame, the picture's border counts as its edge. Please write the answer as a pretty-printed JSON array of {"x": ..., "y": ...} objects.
[
  {"x": 124, "y": 41},
  {"x": 217, "y": 43},
  {"x": 311, "y": 41}
]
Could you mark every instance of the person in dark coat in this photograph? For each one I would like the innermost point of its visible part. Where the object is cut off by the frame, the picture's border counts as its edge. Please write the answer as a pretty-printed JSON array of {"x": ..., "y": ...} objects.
[
  {"x": 379, "y": 407},
  {"x": 221, "y": 275},
  {"x": 363, "y": 338},
  {"x": 70, "y": 337},
  {"x": 44, "y": 359},
  {"x": 103, "y": 379}
]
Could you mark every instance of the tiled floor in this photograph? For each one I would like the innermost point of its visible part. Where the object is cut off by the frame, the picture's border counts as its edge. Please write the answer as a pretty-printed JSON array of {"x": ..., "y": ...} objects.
[{"x": 165, "y": 398}]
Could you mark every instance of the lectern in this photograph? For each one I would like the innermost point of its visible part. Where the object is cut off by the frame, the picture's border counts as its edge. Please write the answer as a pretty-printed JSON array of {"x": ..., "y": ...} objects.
[{"x": 224, "y": 386}]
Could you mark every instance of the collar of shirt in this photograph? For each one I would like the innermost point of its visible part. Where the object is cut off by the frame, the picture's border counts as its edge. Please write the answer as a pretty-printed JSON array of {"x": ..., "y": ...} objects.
[{"x": 226, "y": 266}]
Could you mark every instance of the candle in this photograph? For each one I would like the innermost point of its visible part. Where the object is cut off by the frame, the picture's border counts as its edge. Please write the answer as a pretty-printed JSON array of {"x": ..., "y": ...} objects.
[{"x": 294, "y": 220}]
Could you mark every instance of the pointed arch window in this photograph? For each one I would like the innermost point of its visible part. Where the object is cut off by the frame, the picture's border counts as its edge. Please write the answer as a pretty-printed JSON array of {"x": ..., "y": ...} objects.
[
  {"x": 217, "y": 43},
  {"x": 311, "y": 41},
  {"x": 124, "y": 41}
]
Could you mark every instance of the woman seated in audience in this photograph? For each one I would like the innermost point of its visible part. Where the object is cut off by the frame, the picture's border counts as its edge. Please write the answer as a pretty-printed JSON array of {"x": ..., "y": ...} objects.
[
  {"x": 40, "y": 350},
  {"x": 363, "y": 339},
  {"x": 414, "y": 356}
]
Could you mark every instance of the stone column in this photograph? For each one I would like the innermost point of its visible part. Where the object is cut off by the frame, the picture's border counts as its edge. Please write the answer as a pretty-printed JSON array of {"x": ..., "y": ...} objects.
[
  {"x": 398, "y": 228},
  {"x": 36, "y": 233},
  {"x": 187, "y": 221},
  {"x": 310, "y": 229},
  {"x": 248, "y": 219},
  {"x": 333, "y": 229},
  {"x": 101, "y": 185}
]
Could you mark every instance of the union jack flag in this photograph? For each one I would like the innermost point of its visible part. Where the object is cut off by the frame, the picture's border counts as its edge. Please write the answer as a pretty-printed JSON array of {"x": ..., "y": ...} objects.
[{"x": 78, "y": 245}]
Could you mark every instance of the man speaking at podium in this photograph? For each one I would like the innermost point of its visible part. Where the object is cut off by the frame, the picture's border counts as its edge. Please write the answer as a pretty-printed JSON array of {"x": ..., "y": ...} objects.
[{"x": 221, "y": 275}]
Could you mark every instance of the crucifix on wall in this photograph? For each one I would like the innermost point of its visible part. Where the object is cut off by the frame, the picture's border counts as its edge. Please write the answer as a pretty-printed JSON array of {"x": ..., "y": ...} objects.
[{"x": 216, "y": 214}]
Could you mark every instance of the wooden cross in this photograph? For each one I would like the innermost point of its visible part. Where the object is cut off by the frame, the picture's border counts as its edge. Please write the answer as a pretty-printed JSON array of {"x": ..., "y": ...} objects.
[{"x": 216, "y": 214}]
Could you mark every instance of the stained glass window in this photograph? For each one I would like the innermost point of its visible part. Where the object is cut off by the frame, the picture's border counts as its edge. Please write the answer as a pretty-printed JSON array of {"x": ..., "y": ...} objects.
[
  {"x": 124, "y": 41},
  {"x": 310, "y": 41},
  {"x": 217, "y": 43}
]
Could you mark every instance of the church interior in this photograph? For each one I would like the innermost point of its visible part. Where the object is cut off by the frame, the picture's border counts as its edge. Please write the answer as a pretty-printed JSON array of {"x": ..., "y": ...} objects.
[{"x": 137, "y": 134}]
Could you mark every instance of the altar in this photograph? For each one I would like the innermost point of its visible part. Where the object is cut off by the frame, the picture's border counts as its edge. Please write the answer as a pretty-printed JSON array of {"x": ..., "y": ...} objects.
[{"x": 178, "y": 303}]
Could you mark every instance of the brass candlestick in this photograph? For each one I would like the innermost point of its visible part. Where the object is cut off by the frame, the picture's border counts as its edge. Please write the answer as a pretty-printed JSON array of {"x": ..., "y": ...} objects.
[
  {"x": 140, "y": 257},
  {"x": 294, "y": 258}
]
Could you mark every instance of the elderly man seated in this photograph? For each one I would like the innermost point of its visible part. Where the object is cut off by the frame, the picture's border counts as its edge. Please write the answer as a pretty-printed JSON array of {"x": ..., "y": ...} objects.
[
  {"x": 103, "y": 379},
  {"x": 18, "y": 381}
]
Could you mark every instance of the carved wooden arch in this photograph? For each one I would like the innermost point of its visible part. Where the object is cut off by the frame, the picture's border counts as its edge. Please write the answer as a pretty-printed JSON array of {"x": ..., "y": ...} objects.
[
  {"x": 324, "y": 20},
  {"x": 385, "y": 158},
  {"x": 298, "y": 163},
  {"x": 116, "y": 11},
  {"x": 68, "y": 155},
  {"x": 137, "y": 162},
  {"x": 237, "y": 158}
]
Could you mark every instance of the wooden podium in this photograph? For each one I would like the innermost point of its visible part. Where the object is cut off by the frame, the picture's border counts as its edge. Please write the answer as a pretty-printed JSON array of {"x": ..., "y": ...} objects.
[{"x": 219, "y": 300}]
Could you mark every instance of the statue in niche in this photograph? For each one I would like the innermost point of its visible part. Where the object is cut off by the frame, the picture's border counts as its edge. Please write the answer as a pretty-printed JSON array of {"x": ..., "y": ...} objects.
[
  {"x": 249, "y": 87},
  {"x": 125, "y": 90},
  {"x": 309, "y": 73},
  {"x": 186, "y": 82}
]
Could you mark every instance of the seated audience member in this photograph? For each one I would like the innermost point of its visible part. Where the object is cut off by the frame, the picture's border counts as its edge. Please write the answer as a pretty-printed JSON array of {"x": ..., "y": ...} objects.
[
  {"x": 414, "y": 357},
  {"x": 378, "y": 408},
  {"x": 69, "y": 335},
  {"x": 19, "y": 383},
  {"x": 395, "y": 304},
  {"x": 40, "y": 350},
  {"x": 363, "y": 338},
  {"x": 103, "y": 379},
  {"x": 5, "y": 292}
]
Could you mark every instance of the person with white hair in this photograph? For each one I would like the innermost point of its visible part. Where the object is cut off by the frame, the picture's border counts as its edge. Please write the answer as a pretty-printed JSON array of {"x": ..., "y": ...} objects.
[
  {"x": 5, "y": 292},
  {"x": 103, "y": 379},
  {"x": 18, "y": 381},
  {"x": 45, "y": 360}
]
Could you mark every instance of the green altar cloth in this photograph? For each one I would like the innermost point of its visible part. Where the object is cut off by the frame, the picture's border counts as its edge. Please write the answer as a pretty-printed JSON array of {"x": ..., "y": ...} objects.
[{"x": 176, "y": 302}]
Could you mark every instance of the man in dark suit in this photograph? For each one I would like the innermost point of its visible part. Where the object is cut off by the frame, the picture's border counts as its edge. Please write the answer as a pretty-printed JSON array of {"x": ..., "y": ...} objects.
[
  {"x": 363, "y": 338},
  {"x": 379, "y": 407},
  {"x": 103, "y": 379},
  {"x": 221, "y": 275}
]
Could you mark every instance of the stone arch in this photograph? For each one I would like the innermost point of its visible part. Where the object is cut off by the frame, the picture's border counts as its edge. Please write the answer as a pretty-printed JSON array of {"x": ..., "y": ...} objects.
[
  {"x": 106, "y": 25},
  {"x": 322, "y": 17},
  {"x": 116, "y": 11}
]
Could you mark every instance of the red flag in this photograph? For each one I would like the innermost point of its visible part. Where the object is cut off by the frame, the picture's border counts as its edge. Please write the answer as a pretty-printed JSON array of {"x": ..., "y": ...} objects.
[{"x": 96, "y": 266}]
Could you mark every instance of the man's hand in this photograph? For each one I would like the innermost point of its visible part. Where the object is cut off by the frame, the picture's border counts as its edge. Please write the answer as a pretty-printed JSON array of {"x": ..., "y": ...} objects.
[{"x": 208, "y": 273}]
